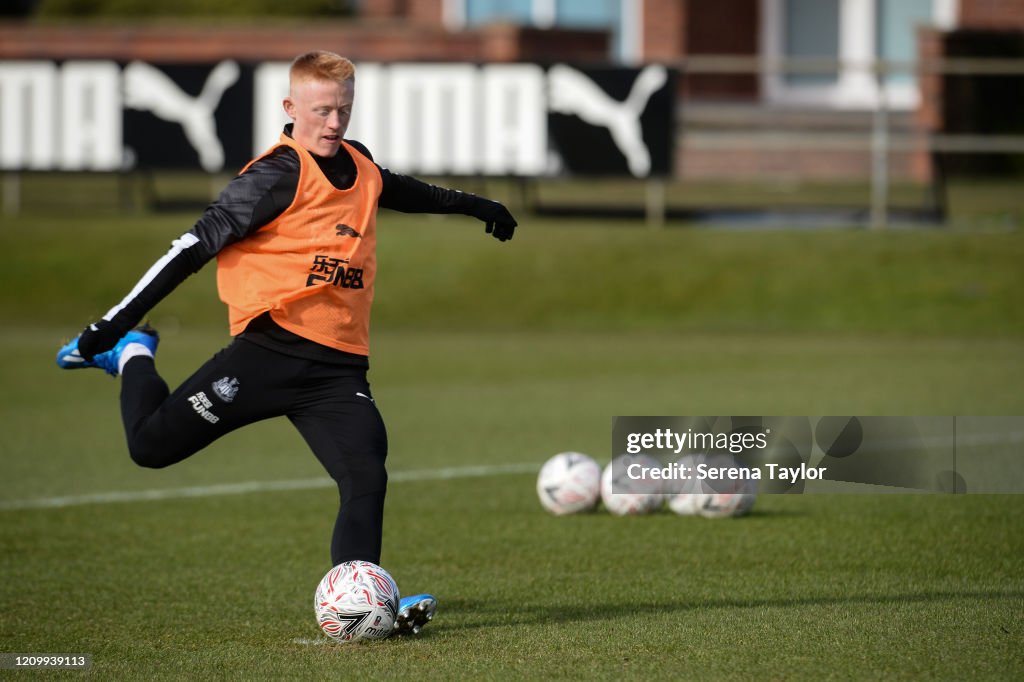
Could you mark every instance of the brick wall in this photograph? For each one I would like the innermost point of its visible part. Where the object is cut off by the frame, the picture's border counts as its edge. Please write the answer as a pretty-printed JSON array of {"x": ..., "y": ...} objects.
[
  {"x": 790, "y": 165},
  {"x": 372, "y": 40},
  {"x": 664, "y": 29},
  {"x": 999, "y": 14},
  {"x": 928, "y": 115},
  {"x": 425, "y": 11},
  {"x": 197, "y": 43},
  {"x": 379, "y": 9},
  {"x": 723, "y": 27}
]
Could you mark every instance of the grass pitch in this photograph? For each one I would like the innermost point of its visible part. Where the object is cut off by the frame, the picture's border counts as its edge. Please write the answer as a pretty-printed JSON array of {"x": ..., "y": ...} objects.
[
  {"x": 807, "y": 587},
  {"x": 494, "y": 355}
]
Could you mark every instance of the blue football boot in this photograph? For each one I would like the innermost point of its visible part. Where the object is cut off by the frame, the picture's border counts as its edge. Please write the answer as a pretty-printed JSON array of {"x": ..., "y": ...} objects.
[
  {"x": 68, "y": 356},
  {"x": 413, "y": 613}
]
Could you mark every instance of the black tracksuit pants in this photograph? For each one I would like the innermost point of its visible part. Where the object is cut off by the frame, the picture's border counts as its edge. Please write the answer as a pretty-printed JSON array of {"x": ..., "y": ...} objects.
[{"x": 330, "y": 405}]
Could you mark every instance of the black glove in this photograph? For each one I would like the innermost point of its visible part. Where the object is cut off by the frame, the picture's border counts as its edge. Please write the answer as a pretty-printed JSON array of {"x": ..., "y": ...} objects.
[
  {"x": 499, "y": 221},
  {"x": 99, "y": 337}
]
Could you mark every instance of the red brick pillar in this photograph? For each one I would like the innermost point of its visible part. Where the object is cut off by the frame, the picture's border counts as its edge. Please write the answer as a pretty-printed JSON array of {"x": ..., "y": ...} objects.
[
  {"x": 928, "y": 117},
  {"x": 664, "y": 29}
]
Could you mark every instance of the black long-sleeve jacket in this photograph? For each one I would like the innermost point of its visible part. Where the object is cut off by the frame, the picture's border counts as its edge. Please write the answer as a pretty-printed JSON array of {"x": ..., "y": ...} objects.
[{"x": 252, "y": 200}]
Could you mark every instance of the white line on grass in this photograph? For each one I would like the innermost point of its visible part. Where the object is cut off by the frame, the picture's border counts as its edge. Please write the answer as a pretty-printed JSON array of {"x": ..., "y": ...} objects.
[
  {"x": 262, "y": 486},
  {"x": 967, "y": 440},
  {"x": 312, "y": 642}
]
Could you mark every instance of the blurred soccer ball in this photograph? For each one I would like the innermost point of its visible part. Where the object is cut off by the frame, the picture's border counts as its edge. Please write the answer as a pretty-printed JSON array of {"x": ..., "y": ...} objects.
[
  {"x": 683, "y": 494},
  {"x": 356, "y": 601},
  {"x": 632, "y": 495},
  {"x": 724, "y": 497},
  {"x": 568, "y": 483}
]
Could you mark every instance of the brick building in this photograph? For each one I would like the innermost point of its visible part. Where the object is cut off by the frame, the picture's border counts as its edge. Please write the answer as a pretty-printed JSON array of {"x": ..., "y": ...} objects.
[
  {"x": 738, "y": 119},
  {"x": 738, "y": 116}
]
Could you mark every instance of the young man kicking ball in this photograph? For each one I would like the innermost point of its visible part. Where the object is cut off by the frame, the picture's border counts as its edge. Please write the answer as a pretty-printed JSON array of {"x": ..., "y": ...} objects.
[{"x": 294, "y": 235}]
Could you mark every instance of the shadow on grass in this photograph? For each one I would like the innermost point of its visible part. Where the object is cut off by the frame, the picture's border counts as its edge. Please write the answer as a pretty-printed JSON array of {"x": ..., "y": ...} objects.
[{"x": 497, "y": 615}]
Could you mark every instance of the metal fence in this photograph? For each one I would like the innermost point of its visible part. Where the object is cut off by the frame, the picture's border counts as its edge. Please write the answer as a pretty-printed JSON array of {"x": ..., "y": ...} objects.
[{"x": 878, "y": 138}]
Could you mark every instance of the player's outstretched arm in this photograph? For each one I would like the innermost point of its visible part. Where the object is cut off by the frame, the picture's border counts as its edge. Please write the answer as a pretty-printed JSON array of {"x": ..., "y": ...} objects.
[
  {"x": 498, "y": 220},
  {"x": 410, "y": 195},
  {"x": 162, "y": 278},
  {"x": 250, "y": 201}
]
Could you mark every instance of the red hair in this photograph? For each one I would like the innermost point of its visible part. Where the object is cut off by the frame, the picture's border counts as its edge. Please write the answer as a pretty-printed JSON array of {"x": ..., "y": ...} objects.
[{"x": 321, "y": 65}]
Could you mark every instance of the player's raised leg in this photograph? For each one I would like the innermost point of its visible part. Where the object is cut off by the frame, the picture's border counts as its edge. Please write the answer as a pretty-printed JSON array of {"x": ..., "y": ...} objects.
[{"x": 241, "y": 384}]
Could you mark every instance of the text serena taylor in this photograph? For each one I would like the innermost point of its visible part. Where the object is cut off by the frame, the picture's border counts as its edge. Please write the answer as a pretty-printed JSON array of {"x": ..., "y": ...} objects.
[{"x": 675, "y": 471}]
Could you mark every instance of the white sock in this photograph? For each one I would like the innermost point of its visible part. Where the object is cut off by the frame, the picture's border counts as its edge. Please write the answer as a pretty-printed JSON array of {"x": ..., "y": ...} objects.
[{"x": 130, "y": 351}]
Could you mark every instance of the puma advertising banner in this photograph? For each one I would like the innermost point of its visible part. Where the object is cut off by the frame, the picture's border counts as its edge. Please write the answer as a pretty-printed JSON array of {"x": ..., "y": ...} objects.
[{"x": 428, "y": 119}]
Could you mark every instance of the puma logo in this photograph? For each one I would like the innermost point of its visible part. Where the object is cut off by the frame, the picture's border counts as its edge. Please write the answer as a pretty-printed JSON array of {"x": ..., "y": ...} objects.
[
  {"x": 147, "y": 88},
  {"x": 572, "y": 92},
  {"x": 346, "y": 231}
]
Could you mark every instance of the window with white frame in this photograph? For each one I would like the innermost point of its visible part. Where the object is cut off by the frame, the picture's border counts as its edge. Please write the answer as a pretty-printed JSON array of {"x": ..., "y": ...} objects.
[
  {"x": 842, "y": 41},
  {"x": 620, "y": 17}
]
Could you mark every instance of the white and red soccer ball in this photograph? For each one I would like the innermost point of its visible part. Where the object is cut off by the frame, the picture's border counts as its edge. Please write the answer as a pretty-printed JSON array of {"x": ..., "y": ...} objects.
[
  {"x": 627, "y": 487},
  {"x": 356, "y": 600},
  {"x": 723, "y": 498},
  {"x": 683, "y": 494},
  {"x": 572, "y": 482},
  {"x": 568, "y": 483}
]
